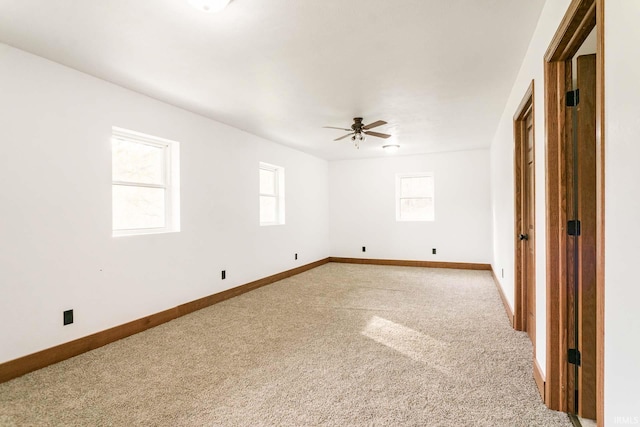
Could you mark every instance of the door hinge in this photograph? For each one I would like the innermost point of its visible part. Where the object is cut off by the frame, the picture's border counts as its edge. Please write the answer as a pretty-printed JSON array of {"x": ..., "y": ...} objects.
[
  {"x": 573, "y": 227},
  {"x": 573, "y": 98},
  {"x": 574, "y": 356}
]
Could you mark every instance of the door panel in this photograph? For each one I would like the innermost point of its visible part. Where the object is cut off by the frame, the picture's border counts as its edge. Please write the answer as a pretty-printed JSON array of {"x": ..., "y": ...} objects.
[
  {"x": 586, "y": 254},
  {"x": 529, "y": 226}
]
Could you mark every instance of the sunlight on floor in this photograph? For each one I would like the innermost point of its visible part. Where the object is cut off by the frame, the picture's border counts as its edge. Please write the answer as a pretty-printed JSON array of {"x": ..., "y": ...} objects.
[{"x": 407, "y": 341}]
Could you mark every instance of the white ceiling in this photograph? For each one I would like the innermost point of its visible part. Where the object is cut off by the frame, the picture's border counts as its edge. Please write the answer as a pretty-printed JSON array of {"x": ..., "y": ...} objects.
[{"x": 439, "y": 71}]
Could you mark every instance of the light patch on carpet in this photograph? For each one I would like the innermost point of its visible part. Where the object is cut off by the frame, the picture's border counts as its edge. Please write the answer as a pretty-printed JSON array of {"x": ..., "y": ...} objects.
[{"x": 407, "y": 341}]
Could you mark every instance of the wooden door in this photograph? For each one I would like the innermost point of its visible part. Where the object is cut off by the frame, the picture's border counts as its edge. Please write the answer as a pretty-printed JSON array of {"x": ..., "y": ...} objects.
[
  {"x": 524, "y": 318},
  {"x": 529, "y": 227},
  {"x": 586, "y": 253}
]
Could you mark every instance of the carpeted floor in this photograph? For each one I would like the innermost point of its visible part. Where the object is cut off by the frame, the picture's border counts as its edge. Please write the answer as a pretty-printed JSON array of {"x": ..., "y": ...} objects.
[{"x": 339, "y": 345}]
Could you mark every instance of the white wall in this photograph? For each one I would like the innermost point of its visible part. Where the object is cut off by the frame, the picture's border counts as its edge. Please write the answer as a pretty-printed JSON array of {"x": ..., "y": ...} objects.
[
  {"x": 362, "y": 208},
  {"x": 56, "y": 249},
  {"x": 502, "y": 179},
  {"x": 622, "y": 212}
]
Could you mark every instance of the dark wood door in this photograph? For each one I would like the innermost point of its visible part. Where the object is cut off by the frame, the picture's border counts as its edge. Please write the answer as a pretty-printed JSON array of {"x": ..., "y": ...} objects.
[{"x": 586, "y": 253}]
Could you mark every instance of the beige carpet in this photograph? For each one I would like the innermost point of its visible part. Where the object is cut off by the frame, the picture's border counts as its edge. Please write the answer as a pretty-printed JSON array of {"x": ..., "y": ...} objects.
[{"x": 338, "y": 345}]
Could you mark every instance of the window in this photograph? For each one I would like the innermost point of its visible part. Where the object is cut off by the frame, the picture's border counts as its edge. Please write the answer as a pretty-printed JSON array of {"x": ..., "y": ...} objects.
[
  {"x": 415, "y": 194},
  {"x": 145, "y": 190},
  {"x": 271, "y": 194}
]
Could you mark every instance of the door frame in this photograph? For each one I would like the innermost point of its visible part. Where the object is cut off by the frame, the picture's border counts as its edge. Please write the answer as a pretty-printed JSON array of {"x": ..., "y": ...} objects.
[
  {"x": 581, "y": 17},
  {"x": 520, "y": 302}
]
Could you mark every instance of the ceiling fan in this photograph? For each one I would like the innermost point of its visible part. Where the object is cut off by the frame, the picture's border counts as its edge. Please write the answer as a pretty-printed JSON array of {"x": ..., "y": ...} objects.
[{"x": 358, "y": 130}]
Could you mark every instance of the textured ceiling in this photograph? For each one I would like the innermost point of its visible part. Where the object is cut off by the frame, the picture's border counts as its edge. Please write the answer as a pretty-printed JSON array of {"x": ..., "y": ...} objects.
[{"x": 439, "y": 71}]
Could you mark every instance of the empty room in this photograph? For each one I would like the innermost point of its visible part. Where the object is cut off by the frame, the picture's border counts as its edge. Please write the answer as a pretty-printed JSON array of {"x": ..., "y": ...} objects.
[{"x": 319, "y": 213}]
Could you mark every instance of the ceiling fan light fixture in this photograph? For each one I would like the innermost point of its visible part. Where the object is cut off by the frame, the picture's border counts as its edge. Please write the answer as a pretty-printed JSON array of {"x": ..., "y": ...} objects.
[
  {"x": 359, "y": 133},
  {"x": 209, "y": 6},
  {"x": 391, "y": 148}
]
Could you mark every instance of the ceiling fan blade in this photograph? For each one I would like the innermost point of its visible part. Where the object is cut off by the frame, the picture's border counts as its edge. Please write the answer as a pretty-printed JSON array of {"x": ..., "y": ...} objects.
[
  {"x": 343, "y": 137},
  {"x": 378, "y": 134},
  {"x": 374, "y": 124},
  {"x": 333, "y": 127}
]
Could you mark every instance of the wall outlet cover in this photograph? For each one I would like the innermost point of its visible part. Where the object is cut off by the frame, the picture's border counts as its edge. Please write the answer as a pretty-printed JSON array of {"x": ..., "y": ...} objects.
[{"x": 67, "y": 317}]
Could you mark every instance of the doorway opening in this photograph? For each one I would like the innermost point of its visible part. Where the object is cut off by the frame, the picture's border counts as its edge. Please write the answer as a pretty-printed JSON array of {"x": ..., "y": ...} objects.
[
  {"x": 575, "y": 214},
  {"x": 524, "y": 318},
  {"x": 524, "y": 173}
]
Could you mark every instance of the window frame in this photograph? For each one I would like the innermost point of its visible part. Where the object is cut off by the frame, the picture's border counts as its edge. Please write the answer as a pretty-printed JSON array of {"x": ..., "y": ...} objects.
[
  {"x": 170, "y": 182},
  {"x": 278, "y": 193},
  {"x": 432, "y": 214}
]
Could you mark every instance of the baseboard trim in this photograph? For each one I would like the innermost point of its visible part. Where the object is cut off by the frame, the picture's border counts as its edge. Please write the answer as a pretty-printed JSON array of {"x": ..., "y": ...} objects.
[
  {"x": 410, "y": 263},
  {"x": 503, "y": 297},
  {"x": 539, "y": 378},
  {"x": 23, "y": 365}
]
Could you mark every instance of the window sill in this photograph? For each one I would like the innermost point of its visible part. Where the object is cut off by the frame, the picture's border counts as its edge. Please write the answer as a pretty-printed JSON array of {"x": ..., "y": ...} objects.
[{"x": 142, "y": 232}]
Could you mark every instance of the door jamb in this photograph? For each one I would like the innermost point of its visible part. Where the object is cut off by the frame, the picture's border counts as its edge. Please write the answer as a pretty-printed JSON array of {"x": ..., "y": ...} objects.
[{"x": 579, "y": 20}]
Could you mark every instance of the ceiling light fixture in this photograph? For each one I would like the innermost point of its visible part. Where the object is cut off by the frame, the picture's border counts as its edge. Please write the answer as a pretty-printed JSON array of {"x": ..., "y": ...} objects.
[
  {"x": 357, "y": 138},
  {"x": 391, "y": 148},
  {"x": 209, "y": 6}
]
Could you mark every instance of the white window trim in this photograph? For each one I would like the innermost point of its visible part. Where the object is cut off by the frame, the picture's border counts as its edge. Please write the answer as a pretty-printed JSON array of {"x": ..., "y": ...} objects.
[
  {"x": 399, "y": 177},
  {"x": 278, "y": 194},
  {"x": 170, "y": 177}
]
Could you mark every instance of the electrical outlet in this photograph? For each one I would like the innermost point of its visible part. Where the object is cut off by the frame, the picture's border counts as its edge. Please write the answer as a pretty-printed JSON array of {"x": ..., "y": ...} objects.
[
  {"x": 364, "y": 249},
  {"x": 67, "y": 317},
  {"x": 224, "y": 274},
  {"x": 296, "y": 256},
  {"x": 502, "y": 272},
  {"x": 433, "y": 251}
]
